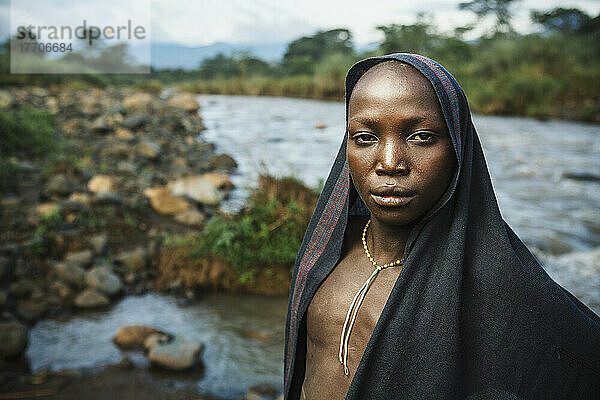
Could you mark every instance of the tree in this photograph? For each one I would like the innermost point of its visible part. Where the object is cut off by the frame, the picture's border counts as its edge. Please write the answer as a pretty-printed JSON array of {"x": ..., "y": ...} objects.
[
  {"x": 416, "y": 38},
  {"x": 303, "y": 53},
  {"x": 565, "y": 20},
  {"x": 500, "y": 9}
]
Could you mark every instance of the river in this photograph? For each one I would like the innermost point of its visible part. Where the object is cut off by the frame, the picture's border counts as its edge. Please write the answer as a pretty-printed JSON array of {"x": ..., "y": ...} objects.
[{"x": 530, "y": 162}]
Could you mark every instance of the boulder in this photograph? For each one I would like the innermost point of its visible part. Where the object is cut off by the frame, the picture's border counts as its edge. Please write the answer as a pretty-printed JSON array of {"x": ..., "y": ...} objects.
[
  {"x": 134, "y": 260},
  {"x": 103, "y": 279},
  {"x": 91, "y": 298},
  {"x": 137, "y": 102},
  {"x": 133, "y": 337},
  {"x": 198, "y": 188},
  {"x": 82, "y": 259},
  {"x": 165, "y": 202},
  {"x": 101, "y": 184},
  {"x": 69, "y": 273},
  {"x": 191, "y": 217},
  {"x": 179, "y": 354},
  {"x": 13, "y": 339},
  {"x": 185, "y": 101},
  {"x": 222, "y": 162},
  {"x": 149, "y": 149}
]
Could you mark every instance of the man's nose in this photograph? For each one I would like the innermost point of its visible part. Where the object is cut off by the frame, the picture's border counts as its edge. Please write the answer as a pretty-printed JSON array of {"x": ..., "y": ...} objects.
[{"x": 391, "y": 159}]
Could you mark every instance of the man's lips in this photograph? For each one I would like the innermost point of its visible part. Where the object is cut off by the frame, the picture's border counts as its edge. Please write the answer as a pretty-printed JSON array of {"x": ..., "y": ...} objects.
[{"x": 392, "y": 196}]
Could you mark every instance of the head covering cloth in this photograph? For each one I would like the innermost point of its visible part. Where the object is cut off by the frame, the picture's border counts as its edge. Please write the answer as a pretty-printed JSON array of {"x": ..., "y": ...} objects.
[{"x": 472, "y": 313}]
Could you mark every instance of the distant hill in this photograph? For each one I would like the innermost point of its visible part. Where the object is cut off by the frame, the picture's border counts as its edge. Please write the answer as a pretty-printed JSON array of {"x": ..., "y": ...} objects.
[{"x": 167, "y": 55}]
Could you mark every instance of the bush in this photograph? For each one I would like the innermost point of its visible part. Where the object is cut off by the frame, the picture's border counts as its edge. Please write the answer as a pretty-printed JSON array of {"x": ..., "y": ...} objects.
[{"x": 26, "y": 131}]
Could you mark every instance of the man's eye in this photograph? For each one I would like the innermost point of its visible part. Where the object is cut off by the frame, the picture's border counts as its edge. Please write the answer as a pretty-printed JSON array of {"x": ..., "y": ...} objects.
[
  {"x": 364, "y": 138},
  {"x": 423, "y": 137}
]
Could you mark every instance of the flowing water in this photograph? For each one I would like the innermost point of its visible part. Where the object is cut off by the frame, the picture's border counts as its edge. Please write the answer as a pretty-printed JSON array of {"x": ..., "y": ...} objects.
[{"x": 529, "y": 161}]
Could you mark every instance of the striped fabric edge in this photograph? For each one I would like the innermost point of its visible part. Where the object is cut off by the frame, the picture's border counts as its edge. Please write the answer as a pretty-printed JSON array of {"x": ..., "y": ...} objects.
[
  {"x": 318, "y": 242},
  {"x": 450, "y": 92}
]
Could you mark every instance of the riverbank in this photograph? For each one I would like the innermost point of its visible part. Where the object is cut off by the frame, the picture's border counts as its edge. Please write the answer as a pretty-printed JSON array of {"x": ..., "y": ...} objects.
[{"x": 103, "y": 193}]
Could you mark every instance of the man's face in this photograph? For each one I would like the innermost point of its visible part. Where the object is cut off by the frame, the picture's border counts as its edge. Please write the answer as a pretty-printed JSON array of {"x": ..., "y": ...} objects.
[{"x": 399, "y": 150}]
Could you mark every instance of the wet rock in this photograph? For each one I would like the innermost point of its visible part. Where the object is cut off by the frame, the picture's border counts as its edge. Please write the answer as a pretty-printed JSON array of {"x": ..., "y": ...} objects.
[
  {"x": 191, "y": 217},
  {"x": 135, "y": 121},
  {"x": 179, "y": 354},
  {"x": 222, "y": 162},
  {"x": 197, "y": 188},
  {"x": 20, "y": 289},
  {"x": 185, "y": 101},
  {"x": 70, "y": 273},
  {"x": 133, "y": 337},
  {"x": 31, "y": 310},
  {"x": 103, "y": 279},
  {"x": 60, "y": 185},
  {"x": 47, "y": 209},
  {"x": 221, "y": 181},
  {"x": 82, "y": 259},
  {"x": 149, "y": 149},
  {"x": 134, "y": 260},
  {"x": 6, "y": 99},
  {"x": 91, "y": 298},
  {"x": 137, "y": 102},
  {"x": 98, "y": 243},
  {"x": 165, "y": 202},
  {"x": 13, "y": 339},
  {"x": 101, "y": 184},
  {"x": 100, "y": 125}
]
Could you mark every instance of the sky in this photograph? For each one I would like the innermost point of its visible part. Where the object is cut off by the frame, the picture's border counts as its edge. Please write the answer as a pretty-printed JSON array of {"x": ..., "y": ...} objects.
[{"x": 203, "y": 22}]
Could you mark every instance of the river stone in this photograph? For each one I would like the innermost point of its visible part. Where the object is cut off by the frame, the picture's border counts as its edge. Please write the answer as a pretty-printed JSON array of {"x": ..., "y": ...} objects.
[
  {"x": 137, "y": 102},
  {"x": 185, "y": 101},
  {"x": 135, "y": 121},
  {"x": 60, "y": 185},
  {"x": 100, "y": 125},
  {"x": 13, "y": 339},
  {"x": 124, "y": 134},
  {"x": 149, "y": 149},
  {"x": 222, "y": 181},
  {"x": 178, "y": 355},
  {"x": 101, "y": 184},
  {"x": 103, "y": 279},
  {"x": 198, "y": 188},
  {"x": 90, "y": 298},
  {"x": 165, "y": 202},
  {"x": 99, "y": 243},
  {"x": 222, "y": 162},
  {"x": 82, "y": 259},
  {"x": 6, "y": 99},
  {"x": 134, "y": 260},
  {"x": 191, "y": 217},
  {"x": 70, "y": 273},
  {"x": 133, "y": 337}
]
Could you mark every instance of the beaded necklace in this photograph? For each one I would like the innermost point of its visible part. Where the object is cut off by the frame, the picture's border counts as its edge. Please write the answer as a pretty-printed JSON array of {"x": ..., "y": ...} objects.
[{"x": 343, "y": 354}]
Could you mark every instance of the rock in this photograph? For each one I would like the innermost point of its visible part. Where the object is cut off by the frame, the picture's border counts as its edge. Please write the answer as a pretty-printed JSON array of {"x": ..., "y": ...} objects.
[
  {"x": 6, "y": 99},
  {"x": 5, "y": 269},
  {"x": 70, "y": 273},
  {"x": 137, "y": 102},
  {"x": 156, "y": 339},
  {"x": 82, "y": 259},
  {"x": 100, "y": 125},
  {"x": 47, "y": 209},
  {"x": 134, "y": 260},
  {"x": 126, "y": 166},
  {"x": 31, "y": 310},
  {"x": 222, "y": 181},
  {"x": 581, "y": 176},
  {"x": 165, "y": 202},
  {"x": 262, "y": 392},
  {"x": 133, "y": 337},
  {"x": 124, "y": 134},
  {"x": 125, "y": 363},
  {"x": 135, "y": 121},
  {"x": 103, "y": 279},
  {"x": 13, "y": 339},
  {"x": 222, "y": 162},
  {"x": 197, "y": 188},
  {"x": 185, "y": 101},
  {"x": 320, "y": 126},
  {"x": 179, "y": 354},
  {"x": 101, "y": 184},
  {"x": 81, "y": 198},
  {"x": 149, "y": 149},
  {"x": 20, "y": 289},
  {"x": 62, "y": 290},
  {"x": 90, "y": 298},
  {"x": 60, "y": 185},
  {"x": 98, "y": 243},
  {"x": 191, "y": 217}
]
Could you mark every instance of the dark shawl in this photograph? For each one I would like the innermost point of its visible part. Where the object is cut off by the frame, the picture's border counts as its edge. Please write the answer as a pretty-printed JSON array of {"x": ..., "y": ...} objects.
[{"x": 472, "y": 312}]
